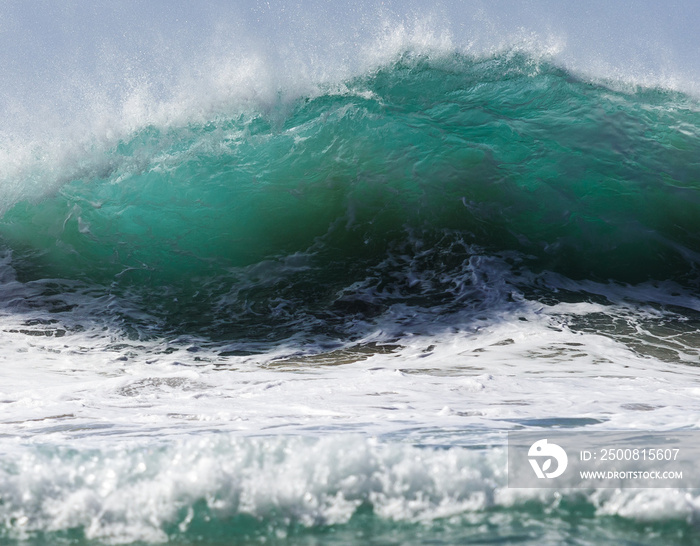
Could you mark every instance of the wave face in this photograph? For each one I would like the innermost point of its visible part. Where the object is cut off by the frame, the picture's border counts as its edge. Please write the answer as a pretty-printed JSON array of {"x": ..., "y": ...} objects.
[{"x": 379, "y": 191}]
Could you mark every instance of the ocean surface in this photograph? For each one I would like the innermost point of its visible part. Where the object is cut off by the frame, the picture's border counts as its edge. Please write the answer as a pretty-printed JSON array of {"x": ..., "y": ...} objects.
[{"x": 311, "y": 315}]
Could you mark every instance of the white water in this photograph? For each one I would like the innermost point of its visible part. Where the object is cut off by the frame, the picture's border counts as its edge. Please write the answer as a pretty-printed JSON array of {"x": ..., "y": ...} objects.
[{"x": 123, "y": 437}]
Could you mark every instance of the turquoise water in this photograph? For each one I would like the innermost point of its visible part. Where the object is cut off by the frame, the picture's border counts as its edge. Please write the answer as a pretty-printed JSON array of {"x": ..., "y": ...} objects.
[
  {"x": 404, "y": 172},
  {"x": 312, "y": 320}
]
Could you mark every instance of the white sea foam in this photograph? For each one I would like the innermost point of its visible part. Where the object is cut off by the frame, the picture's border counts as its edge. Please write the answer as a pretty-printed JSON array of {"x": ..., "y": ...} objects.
[
  {"x": 137, "y": 492},
  {"x": 126, "y": 438}
]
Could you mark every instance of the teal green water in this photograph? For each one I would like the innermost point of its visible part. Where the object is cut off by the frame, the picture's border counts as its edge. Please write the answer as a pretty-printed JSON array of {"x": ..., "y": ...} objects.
[
  {"x": 504, "y": 153},
  {"x": 426, "y": 161},
  {"x": 573, "y": 523}
]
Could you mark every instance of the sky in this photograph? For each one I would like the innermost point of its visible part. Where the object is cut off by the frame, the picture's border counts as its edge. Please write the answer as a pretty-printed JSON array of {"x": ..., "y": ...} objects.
[
  {"x": 43, "y": 32},
  {"x": 51, "y": 52}
]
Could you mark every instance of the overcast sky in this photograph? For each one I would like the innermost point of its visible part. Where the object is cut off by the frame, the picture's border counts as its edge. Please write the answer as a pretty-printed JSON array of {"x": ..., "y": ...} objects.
[
  {"x": 44, "y": 41},
  {"x": 31, "y": 30}
]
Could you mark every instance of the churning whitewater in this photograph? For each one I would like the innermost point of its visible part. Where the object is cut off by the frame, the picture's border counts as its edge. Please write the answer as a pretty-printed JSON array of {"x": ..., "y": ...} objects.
[{"x": 312, "y": 314}]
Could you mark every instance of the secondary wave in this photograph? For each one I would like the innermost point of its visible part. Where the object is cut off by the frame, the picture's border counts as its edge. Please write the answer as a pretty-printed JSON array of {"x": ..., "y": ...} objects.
[{"x": 296, "y": 488}]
